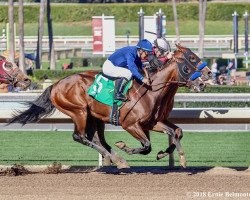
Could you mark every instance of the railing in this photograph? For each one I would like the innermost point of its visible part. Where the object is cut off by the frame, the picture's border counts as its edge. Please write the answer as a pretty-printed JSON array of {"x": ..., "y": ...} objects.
[
  {"x": 214, "y": 46},
  {"x": 11, "y": 101}
]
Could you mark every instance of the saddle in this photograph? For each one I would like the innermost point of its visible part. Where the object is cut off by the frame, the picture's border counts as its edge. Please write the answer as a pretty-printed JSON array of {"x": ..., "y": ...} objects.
[{"x": 103, "y": 90}]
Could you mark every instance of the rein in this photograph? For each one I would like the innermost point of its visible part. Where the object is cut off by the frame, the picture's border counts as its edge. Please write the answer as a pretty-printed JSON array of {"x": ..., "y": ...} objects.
[
  {"x": 180, "y": 83},
  {"x": 165, "y": 85}
]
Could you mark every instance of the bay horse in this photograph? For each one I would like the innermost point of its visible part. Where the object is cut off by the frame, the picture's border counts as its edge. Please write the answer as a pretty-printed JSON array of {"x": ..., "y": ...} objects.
[
  {"x": 164, "y": 125},
  {"x": 10, "y": 74},
  {"x": 147, "y": 106}
]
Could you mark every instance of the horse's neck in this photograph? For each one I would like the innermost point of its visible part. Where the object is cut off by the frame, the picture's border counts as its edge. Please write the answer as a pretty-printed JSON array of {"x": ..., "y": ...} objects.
[
  {"x": 161, "y": 83},
  {"x": 168, "y": 73}
]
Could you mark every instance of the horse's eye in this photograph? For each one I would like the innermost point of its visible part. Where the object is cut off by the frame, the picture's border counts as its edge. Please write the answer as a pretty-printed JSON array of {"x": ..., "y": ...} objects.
[
  {"x": 192, "y": 59},
  {"x": 185, "y": 69},
  {"x": 7, "y": 66}
]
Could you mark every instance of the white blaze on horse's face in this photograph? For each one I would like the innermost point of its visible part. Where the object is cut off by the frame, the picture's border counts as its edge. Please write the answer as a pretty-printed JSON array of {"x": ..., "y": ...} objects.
[
  {"x": 197, "y": 85},
  {"x": 206, "y": 73}
]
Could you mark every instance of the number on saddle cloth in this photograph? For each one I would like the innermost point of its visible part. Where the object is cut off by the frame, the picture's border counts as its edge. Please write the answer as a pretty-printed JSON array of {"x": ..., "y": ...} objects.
[{"x": 102, "y": 90}]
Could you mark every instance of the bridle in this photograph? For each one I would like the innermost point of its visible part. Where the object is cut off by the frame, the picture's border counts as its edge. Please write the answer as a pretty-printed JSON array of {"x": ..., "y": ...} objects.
[
  {"x": 199, "y": 66},
  {"x": 185, "y": 77},
  {"x": 8, "y": 75}
]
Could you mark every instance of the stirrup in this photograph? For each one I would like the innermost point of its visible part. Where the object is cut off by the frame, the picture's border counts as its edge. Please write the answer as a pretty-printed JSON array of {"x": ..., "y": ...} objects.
[{"x": 120, "y": 97}]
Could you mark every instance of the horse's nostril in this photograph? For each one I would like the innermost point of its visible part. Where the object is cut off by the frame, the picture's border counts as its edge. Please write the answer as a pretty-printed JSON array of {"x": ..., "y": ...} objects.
[
  {"x": 27, "y": 80},
  {"x": 202, "y": 85}
]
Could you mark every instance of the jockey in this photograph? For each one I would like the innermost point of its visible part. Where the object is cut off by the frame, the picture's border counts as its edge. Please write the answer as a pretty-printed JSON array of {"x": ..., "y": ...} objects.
[
  {"x": 124, "y": 64},
  {"x": 161, "y": 53}
]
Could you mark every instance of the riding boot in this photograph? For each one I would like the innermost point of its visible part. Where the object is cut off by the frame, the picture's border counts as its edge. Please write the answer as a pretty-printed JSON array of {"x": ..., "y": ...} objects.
[
  {"x": 114, "y": 117},
  {"x": 119, "y": 88}
]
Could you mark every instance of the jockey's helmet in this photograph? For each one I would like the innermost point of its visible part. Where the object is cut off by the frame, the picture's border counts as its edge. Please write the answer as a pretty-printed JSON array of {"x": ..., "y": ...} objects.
[
  {"x": 145, "y": 45},
  {"x": 162, "y": 44}
]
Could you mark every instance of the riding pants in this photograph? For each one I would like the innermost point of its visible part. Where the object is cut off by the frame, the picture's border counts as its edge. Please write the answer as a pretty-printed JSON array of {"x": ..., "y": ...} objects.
[{"x": 114, "y": 71}]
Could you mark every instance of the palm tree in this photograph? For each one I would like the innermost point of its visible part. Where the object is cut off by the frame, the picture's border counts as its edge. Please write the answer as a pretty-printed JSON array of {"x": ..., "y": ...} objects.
[
  {"x": 50, "y": 33},
  {"x": 21, "y": 37},
  {"x": 202, "y": 17},
  {"x": 176, "y": 22},
  {"x": 11, "y": 31},
  {"x": 40, "y": 35}
]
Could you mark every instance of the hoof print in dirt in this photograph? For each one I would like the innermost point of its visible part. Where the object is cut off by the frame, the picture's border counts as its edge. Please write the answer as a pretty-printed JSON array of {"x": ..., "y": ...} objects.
[{"x": 55, "y": 168}]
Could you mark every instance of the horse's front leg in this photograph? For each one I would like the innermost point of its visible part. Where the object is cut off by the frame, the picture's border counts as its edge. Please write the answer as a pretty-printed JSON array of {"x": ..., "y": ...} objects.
[
  {"x": 176, "y": 134},
  {"x": 137, "y": 132}
]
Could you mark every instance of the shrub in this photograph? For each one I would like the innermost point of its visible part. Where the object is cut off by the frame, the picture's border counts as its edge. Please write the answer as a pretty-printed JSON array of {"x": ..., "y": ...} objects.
[{"x": 127, "y": 12}]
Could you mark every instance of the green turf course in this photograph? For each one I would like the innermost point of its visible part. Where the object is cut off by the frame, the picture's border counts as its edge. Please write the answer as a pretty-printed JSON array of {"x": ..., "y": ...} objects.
[
  {"x": 84, "y": 28},
  {"x": 202, "y": 149}
]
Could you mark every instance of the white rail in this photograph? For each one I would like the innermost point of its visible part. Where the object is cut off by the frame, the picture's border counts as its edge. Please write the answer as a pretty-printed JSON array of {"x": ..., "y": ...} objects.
[{"x": 12, "y": 101}]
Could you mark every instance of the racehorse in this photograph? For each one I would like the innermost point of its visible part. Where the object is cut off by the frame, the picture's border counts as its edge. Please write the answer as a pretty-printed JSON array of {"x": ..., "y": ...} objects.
[
  {"x": 11, "y": 74},
  {"x": 147, "y": 105},
  {"x": 164, "y": 125}
]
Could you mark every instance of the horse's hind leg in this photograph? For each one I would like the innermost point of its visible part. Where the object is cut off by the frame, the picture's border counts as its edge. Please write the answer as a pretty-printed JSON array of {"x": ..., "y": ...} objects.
[
  {"x": 176, "y": 134},
  {"x": 95, "y": 133},
  {"x": 80, "y": 135},
  {"x": 137, "y": 132},
  {"x": 79, "y": 117},
  {"x": 121, "y": 162}
]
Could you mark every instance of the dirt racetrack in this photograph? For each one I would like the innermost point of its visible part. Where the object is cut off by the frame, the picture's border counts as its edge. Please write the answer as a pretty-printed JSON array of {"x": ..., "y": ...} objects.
[{"x": 137, "y": 183}]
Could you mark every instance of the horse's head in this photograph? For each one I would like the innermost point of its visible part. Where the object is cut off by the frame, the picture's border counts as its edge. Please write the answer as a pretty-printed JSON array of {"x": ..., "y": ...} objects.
[
  {"x": 180, "y": 71},
  {"x": 188, "y": 75},
  {"x": 11, "y": 74},
  {"x": 196, "y": 62}
]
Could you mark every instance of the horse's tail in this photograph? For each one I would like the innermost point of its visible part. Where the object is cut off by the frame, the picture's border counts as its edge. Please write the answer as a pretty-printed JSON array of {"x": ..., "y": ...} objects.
[{"x": 38, "y": 109}]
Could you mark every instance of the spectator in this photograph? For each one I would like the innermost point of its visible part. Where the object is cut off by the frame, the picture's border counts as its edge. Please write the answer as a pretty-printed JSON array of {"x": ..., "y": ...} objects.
[
  {"x": 222, "y": 79},
  {"x": 29, "y": 63},
  {"x": 232, "y": 70},
  {"x": 214, "y": 69}
]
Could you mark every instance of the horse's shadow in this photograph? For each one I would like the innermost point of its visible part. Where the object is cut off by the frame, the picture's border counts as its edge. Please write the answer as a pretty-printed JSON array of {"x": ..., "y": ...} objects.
[{"x": 148, "y": 170}]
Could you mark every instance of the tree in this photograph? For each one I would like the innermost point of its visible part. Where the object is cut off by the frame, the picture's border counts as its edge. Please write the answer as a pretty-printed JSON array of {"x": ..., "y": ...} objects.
[
  {"x": 51, "y": 43},
  {"x": 176, "y": 22},
  {"x": 21, "y": 37},
  {"x": 40, "y": 35},
  {"x": 11, "y": 31},
  {"x": 202, "y": 17}
]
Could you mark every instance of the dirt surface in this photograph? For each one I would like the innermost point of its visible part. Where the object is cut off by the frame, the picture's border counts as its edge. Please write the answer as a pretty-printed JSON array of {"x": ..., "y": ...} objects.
[{"x": 134, "y": 183}]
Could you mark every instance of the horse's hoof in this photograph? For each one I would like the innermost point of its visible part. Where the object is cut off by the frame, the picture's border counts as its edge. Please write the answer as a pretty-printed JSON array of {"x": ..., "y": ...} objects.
[
  {"x": 183, "y": 161},
  {"x": 106, "y": 161},
  {"x": 161, "y": 155},
  {"x": 120, "y": 144}
]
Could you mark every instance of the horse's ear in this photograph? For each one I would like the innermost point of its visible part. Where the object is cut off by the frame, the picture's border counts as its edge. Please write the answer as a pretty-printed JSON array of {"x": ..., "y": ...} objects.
[
  {"x": 178, "y": 45},
  {"x": 182, "y": 48}
]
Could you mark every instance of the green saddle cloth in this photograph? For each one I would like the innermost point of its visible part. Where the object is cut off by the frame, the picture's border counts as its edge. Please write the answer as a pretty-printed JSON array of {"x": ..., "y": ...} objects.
[{"x": 102, "y": 90}]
